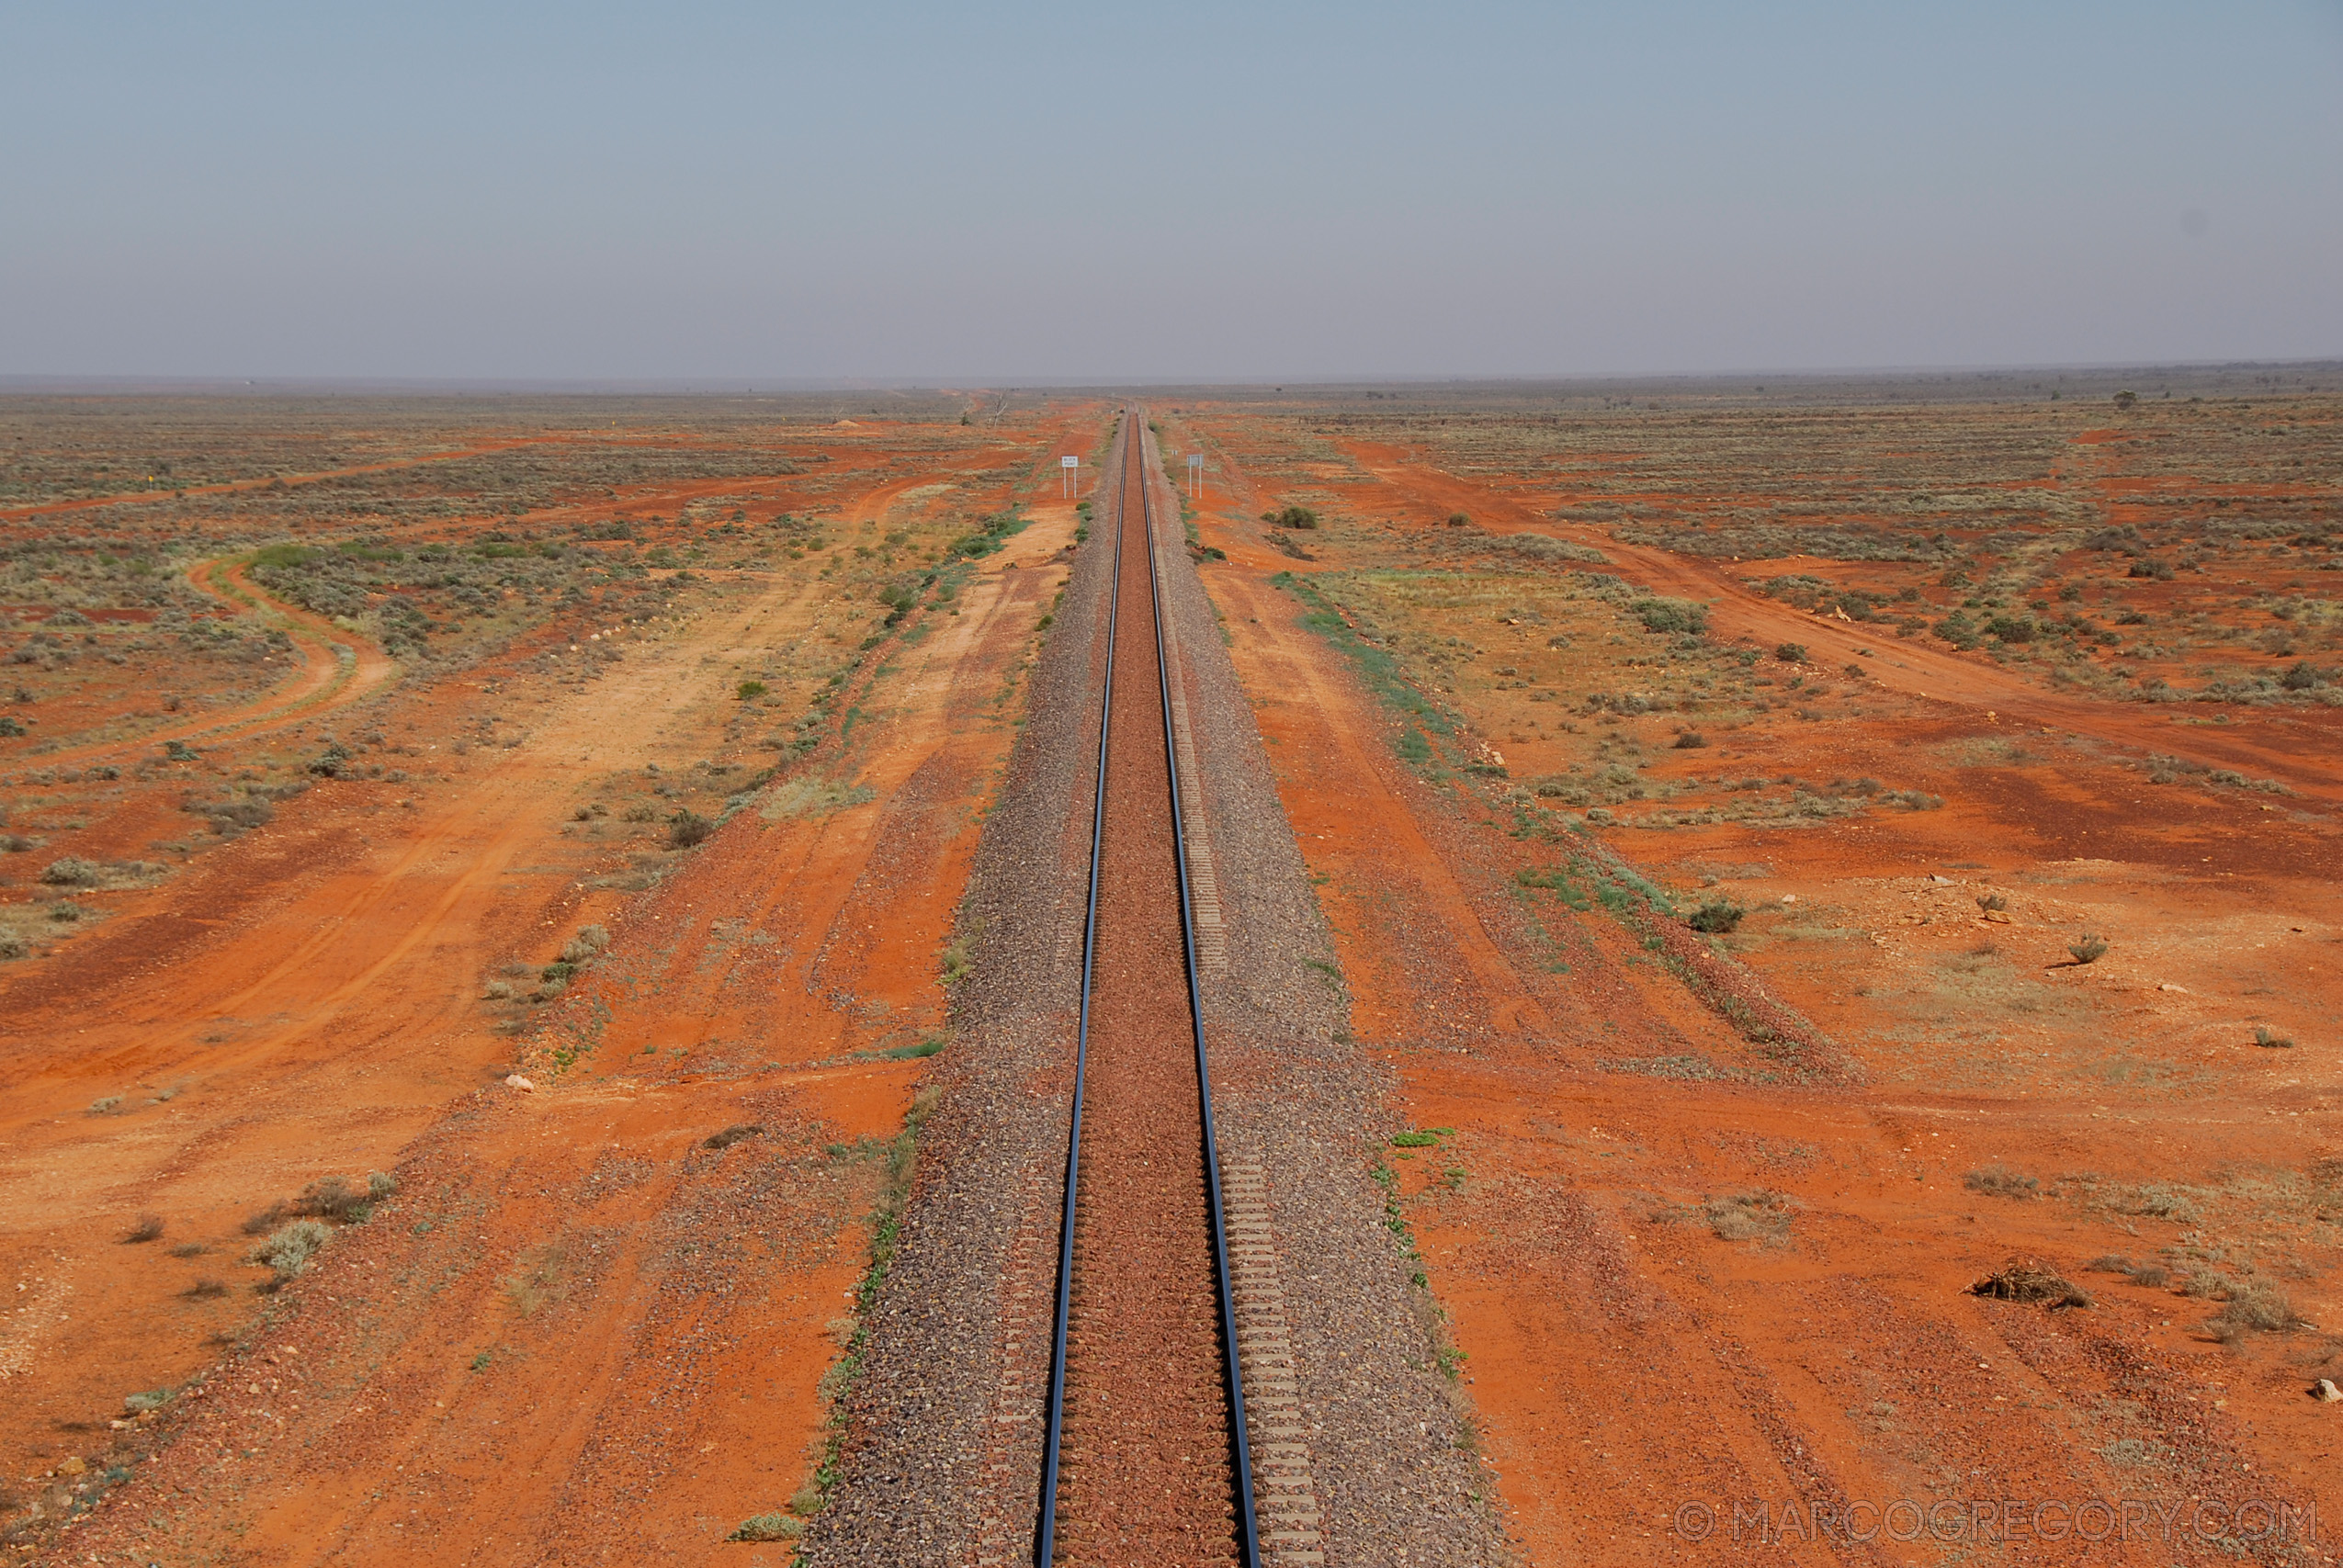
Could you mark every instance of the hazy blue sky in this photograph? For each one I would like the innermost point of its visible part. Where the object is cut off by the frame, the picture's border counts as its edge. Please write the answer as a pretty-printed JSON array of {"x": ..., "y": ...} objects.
[{"x": 1201, "y": 190}]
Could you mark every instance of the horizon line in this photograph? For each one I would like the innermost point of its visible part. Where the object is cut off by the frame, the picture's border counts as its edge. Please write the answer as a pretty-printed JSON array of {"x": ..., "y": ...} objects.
[{"x": 736, "y": 386}]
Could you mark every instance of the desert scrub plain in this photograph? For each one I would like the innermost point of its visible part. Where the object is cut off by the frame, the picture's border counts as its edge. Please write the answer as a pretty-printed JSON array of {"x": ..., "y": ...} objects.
[
  {"x": 362, "y": 755},
  {"x": 1837, "y": 875},
  {"x": 1816, "y": 849}
]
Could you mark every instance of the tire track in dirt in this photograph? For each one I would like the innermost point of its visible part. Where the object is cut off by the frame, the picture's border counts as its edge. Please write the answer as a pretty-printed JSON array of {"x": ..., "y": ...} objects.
[{"x": 338, "y": 668}]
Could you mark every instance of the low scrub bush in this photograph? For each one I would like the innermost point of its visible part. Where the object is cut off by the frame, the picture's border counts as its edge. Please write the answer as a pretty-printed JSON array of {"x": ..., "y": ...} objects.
[
  {"x": 2177, "y": 1204},
  {"x": 288, "y": 1250},
  {"x": 227, "y": 815},
  {"x": 1687, "y": 615},
  {"x": 1715, "y": 916},
  {"x": 589, "y": 941},
  {"x": 687, "y": 827},
  {"x": 1998, "y": 1180},
  {"x": 2089, "y": 950},
  {"x": 333, "y": 1198},
  {"x": 2152, "y": 1275},
  {"x": 2255, "y": 1308},
  {"x": 1537, "y": 546},
  {"x": 1762, "y": 1215}
]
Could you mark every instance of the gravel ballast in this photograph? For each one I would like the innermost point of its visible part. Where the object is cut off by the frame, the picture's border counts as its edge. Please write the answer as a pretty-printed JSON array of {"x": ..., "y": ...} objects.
[{"x": 941, "y": 1459}]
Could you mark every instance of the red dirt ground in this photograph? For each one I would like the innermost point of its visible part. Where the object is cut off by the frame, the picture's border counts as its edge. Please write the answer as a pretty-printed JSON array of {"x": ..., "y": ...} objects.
[
  {"x": 1641, "y": 1333},
  {"x": 1688, "y": 1265},
  {"x": 304, "y": 1000}
]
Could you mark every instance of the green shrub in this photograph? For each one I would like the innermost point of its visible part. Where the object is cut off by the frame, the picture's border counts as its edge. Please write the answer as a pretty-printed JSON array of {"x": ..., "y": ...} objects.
[
  {"x": 687, "y": 827},
  {"x": 226, "y": 815},
  {"x": 1291, "y": 517},
  {"x": 749, "y": 690},
  {"x": 2090, "y": 950},
  {"x": 1790, "y": 652},
  {"x": 1671, "y": 614},
  {"x": 1715, "y": 916}
]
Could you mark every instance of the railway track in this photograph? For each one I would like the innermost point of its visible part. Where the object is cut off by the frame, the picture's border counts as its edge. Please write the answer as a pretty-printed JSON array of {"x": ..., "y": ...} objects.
[{"x": 1144, "y": 1453}]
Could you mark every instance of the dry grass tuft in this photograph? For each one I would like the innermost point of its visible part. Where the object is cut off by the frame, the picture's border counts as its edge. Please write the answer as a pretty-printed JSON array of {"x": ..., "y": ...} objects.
[
  {"x": 1998, "y": 1180},
  {"x": 1760, "y": 1215}
]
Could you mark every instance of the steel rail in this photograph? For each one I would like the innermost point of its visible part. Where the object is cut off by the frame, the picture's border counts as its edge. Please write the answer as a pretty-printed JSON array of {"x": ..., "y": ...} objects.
[
  {"x": 1045, "y": 1530},
  {"x": 1240, "y": 1456},
  {"x": 1241, "y": 1450}
]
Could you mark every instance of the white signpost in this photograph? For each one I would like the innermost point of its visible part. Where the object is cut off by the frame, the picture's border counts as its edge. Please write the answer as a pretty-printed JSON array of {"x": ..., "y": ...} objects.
[
  {"x": 1066, "y": 466},
  {"x": 1195, "y": 476}
]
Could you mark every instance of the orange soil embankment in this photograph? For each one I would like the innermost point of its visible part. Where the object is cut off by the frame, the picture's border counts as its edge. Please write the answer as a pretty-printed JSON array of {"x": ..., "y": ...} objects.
[
  {"x": 575, "y": 1291},
  {"x": 1679, "y": 1297}
]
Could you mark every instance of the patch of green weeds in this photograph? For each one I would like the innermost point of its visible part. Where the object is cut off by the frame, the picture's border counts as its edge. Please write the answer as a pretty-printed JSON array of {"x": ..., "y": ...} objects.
[
  {"x": 1376, "y": 666},
  {"x": 927, "y": 1047}
]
